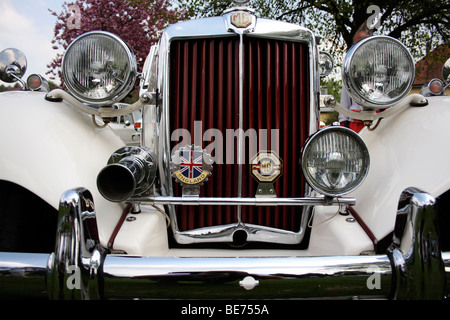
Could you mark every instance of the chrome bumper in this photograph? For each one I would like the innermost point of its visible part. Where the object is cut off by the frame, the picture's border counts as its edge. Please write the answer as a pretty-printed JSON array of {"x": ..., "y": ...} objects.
[{"x": 413, "y": 267}]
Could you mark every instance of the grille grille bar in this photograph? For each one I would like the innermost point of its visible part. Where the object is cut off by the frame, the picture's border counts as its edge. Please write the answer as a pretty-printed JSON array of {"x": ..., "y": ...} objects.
[{"x": 204, "y": 89}]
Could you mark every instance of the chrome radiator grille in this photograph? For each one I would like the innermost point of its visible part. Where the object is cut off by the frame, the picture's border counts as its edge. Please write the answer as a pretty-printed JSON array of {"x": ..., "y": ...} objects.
[{"x": 204, "y": 89}]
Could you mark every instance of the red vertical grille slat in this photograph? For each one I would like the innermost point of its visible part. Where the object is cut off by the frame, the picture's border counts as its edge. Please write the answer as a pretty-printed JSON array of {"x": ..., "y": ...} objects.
[{"x": 204, "y": 86}]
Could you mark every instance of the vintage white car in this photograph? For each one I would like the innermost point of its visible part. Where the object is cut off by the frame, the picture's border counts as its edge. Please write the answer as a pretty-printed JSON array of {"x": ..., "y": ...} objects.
[{"x": 234, "y": 192}]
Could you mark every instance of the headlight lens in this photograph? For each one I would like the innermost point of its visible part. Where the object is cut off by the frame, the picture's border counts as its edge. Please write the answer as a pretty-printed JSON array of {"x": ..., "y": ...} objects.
[
  {"x": 99, "y": 68},
  {"x": 378, "y": 72},
  {"x": 335, "y": 161},
  {"x": 326, "y": 63}
]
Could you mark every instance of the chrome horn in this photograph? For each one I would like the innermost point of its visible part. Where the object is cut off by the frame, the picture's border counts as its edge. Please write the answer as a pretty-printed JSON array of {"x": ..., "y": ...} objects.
[{"x": 131, "y": 171}]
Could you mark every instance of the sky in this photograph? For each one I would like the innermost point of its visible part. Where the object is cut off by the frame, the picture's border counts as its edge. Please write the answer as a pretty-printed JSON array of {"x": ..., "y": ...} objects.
[{"x": 27, "y": 25}]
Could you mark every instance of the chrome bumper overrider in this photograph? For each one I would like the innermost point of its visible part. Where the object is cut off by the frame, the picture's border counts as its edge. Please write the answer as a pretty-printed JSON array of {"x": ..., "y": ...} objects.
[{"x": 413, "y": 267}]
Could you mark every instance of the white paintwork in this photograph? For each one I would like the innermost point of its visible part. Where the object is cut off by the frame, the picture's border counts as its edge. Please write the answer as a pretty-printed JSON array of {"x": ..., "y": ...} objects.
[
  {"x": 407, "y": 150},
  {"x": 126, "y": 131},
  {"x": 336, "y": 234},
  {"x": 51, "y": 148},
  {"x": 143, "y": 234}
]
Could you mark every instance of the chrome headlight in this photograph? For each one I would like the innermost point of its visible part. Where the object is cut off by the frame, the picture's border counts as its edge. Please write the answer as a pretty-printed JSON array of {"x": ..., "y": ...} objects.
[
  {"x": 99, "y": 68},
  {"x": 378, "y": 72},
  {"x": 335, "y": 161},
  {"x": 326, "y": 63}
]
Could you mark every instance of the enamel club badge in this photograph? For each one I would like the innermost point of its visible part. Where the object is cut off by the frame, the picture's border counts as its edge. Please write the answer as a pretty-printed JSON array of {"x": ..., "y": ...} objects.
[
  {"x": 191, "y": 165},
  {"x": 266, "y": 167}
]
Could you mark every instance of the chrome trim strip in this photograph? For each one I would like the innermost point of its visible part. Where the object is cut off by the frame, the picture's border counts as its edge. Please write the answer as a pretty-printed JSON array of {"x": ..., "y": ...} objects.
[
  {"x": 241, "y": 122},
  {"x": 195, "y": 201}
]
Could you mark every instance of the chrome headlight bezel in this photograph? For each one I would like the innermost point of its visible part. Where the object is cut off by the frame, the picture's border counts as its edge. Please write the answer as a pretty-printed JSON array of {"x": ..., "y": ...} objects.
[
  {"x": 333, "y": 153},
  {"x": 383, "y": 55},
  {"x": 121, "y": 67}
]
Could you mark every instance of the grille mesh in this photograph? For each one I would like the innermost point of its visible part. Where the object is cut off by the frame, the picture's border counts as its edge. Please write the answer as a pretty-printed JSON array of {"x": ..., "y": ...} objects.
[{"x": 204, "y": 87}]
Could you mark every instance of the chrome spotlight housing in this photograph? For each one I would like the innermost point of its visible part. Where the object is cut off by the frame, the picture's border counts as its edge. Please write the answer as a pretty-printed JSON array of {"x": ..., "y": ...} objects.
[
  {"x": 335, "y": 161},
  {"x": 378, "y": 72},
  {"x": 326, "y": 63},
  {"x": 99, "y": 68}
]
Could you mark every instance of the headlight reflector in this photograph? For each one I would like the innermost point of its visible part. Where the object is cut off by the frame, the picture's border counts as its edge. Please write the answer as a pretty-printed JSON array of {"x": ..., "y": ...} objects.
[
  {"x": 99, "y": 68},
  {"x": 378, "y": 72},
  {"x": 335, "y": 161}
]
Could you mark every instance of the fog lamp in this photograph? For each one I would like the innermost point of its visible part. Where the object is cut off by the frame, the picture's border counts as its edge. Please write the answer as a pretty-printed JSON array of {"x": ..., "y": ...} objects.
[
  {"x": 99, "y": 68},
  {"x": 335, "y": 161},
  {"x": 378, "y": 72}
]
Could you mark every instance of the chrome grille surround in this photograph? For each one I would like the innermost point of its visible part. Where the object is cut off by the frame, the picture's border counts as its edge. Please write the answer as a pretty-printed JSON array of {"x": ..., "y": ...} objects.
[{"x": 219, "y": 28}]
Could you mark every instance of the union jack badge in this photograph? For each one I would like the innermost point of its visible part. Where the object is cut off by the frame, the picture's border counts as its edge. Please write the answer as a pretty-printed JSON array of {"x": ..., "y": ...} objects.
[{"x": 191, "y": 165}]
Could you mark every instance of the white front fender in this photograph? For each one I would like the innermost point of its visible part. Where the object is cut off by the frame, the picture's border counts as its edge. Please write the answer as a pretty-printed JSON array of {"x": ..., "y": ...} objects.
[
  {"x": 406, "y": 150},
  {"x": 49, "y": 147}
]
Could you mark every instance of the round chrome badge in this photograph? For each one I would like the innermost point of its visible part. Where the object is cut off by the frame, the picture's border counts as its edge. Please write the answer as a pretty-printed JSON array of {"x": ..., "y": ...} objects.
[
  {"x": 191, "y": 165},
  {"x": 266, "y": 167}
]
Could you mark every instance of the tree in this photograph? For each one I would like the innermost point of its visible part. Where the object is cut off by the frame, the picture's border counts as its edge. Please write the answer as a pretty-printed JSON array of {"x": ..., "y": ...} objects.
[
  {"x": 416, "y": 23},
  {"x": 139, "y": 23}
]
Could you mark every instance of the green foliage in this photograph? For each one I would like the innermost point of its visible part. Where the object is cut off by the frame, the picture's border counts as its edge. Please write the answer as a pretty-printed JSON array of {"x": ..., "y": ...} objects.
[
  {"x": 334, "y": 87},
  {"x": 10, "y": 87},
  {"x": 416, "y": 23}
]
